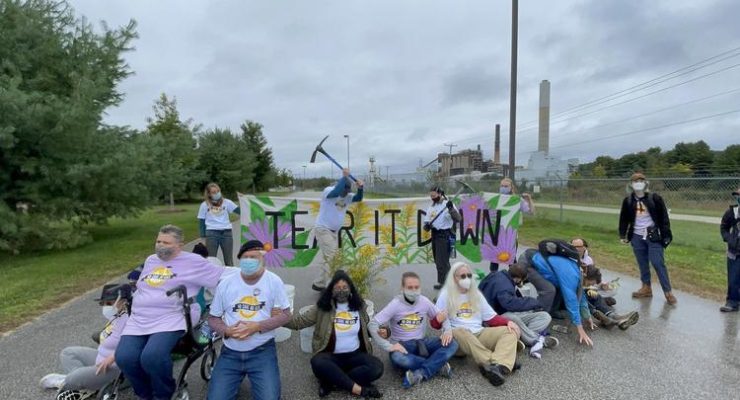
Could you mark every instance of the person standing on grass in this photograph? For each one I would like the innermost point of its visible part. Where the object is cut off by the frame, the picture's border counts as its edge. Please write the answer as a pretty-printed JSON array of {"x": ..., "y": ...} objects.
[
  {"x": 334, "y": 203},
  {"x": 526, "y": 206},
  {"x": 730, "y": 230},
  {"x": 644, "y": 223},
  {"x": 214, "y": 224}
]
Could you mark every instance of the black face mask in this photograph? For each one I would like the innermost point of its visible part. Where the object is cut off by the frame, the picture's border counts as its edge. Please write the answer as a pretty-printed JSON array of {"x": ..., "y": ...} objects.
[
  {"x": 341, "y": 296},
  {"x": 436, "y": 199}
]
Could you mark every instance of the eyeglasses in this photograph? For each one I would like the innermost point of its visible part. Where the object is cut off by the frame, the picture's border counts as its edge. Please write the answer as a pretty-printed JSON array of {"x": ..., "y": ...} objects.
[{"x": 463, "y": 276}]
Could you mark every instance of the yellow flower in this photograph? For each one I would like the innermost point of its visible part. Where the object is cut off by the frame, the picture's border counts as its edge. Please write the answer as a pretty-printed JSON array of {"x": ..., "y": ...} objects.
[{"x": 313, "y": 207}]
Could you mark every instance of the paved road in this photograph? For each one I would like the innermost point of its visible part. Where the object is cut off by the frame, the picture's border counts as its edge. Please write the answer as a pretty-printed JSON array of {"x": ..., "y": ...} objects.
[
  {"x": 606, "y": 210},
  {"x": 690, "y": 351}
]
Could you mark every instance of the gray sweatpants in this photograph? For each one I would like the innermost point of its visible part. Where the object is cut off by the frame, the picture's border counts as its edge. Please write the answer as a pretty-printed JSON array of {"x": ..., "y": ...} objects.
[
  {"x": 79, "y": 365},
  {"x": 531, "y": 323}
]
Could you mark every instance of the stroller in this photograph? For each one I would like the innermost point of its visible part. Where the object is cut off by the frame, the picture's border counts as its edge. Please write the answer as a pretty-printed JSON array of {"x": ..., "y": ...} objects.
[{"x": 197, "y": 343}]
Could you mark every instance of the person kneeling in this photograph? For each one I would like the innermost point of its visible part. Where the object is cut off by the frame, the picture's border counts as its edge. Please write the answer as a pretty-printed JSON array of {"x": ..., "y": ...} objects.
[
  {"x": 597, "y": 305},
  {"x": 422, "y": 357},
  {"x": 493, "y": 348},
  {"x": 241, "y": 312},
  {"x": 499, "y": 289},
  {"x": 342, "y": 353}
]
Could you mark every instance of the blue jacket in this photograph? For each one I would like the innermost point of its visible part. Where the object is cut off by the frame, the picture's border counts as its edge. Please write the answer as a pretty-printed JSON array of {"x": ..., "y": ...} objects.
[
  {"x": 566, "y": 276},
  {"x": 499, "y": 290}
]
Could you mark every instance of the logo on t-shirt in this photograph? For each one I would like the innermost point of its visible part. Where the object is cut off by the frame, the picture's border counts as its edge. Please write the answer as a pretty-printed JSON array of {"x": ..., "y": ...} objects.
[
  {"x": 158, "y": 277},
  {"x": 248, "y": 306},
  {"x": 216, "y": 210},
  {"x": 341, "y": 203},
  {"x": 465, "y": 311},
  {"x": 411, "y": 322},
  {"x": 343, "y": 321}
]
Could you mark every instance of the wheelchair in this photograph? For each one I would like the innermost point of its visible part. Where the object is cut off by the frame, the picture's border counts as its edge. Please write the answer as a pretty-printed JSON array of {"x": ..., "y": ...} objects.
[{"x": 193, "y": 346}]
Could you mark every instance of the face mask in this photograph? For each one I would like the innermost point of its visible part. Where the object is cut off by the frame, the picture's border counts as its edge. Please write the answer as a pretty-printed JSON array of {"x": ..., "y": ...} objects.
[
  {"x": 109, "y": 312},
  {"x": 341, "y": 296},
  {"x": 435, "y": 199},
  {"x": 411, "y": 295},
  {"x": 249, "y": 266},
  {"x": 737, "y": 199},
  {"x": 164, "y": 253},
  {"x": 638, "y": 186},
  {"x": 504, "y": 190},
  {"x": 216, "y": 196},
  {"x": 465, "y": 283}
]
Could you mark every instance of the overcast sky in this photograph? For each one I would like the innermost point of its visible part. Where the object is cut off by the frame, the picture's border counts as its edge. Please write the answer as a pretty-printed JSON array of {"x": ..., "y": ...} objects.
[{"x": 404, "y": 77}]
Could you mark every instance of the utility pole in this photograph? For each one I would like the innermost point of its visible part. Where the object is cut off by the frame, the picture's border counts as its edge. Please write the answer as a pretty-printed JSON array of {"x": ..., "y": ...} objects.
[
  {"x": 450, "y": 145},
  {"x": 387, "y": 173},
  {"x": 512, "y": 93},
  {"x": 347, "y": 137}
]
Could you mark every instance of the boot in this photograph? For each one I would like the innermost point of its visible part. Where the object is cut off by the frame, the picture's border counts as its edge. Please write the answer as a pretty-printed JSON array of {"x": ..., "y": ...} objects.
[
  {"x": 670, "y": 298},
  {"x": 604, "y": 320},
  {"x": 645, "y": 291},
  {"x": 626, "y": 320}
]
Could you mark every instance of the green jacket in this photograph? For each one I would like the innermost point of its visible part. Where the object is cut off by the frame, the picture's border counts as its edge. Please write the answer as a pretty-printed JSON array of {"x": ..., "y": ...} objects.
[{"x": 323, "y": 334}]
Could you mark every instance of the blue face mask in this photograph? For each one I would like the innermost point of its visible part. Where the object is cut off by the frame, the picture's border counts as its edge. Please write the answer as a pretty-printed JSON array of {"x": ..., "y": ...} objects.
[
  {"x": 216, "y": 196},
  {"x": 249, "y": 266},
  {"x": 504, "y": 190}
]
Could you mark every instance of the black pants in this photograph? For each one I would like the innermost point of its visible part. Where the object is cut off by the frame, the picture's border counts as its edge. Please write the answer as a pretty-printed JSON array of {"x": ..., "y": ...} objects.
[
  {"x": 346, "y": 369},
  {"x": 598, "y": 303},
  {"x": 441, "y": 253}
]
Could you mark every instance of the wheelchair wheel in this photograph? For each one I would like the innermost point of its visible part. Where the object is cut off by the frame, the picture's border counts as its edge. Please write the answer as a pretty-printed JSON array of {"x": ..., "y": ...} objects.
[
  {"x": 206, "y": 364},
  {"x": 181, "y": 393},
  {"x": 108, "y": 392}
]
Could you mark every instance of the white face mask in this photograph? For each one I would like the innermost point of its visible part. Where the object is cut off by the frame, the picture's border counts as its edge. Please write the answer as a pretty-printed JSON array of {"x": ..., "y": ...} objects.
[
  {"x": 638, "y": 186},
  {"x": 465, "y": 283},
  {"x": 109, "y": 312},
  {"x": 411, "y": 295}
]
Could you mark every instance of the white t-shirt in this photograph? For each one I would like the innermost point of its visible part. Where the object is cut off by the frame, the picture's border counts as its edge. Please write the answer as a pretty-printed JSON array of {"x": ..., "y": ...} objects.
[
  {"x": 643, "y": 220},
  {"x": 465, "y": 316},
  {"x": 332, "y": 210},
  {"x": 236, "y": 301},
  {"x": 217, "y": 217},
  {"x": 346, "y": 329},
  {"x": 444, "y": 221}
]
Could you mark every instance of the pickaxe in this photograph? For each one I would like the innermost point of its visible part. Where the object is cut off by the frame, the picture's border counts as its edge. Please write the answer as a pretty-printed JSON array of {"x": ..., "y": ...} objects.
[{"x": 321, "y": 150}]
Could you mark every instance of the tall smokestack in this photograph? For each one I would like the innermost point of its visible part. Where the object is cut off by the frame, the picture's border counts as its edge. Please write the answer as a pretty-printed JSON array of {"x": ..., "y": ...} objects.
[
  {"x": 497, "y": 146},
  {"x": 544, "y": 137}
]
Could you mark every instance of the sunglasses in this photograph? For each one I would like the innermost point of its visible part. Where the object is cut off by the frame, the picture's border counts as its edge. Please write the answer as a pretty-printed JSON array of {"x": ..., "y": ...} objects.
[{"x": 463, "y": 276}]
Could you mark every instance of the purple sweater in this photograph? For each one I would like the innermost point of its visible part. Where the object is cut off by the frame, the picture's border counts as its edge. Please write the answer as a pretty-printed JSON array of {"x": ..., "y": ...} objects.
[{"x": 407, "y": 321}]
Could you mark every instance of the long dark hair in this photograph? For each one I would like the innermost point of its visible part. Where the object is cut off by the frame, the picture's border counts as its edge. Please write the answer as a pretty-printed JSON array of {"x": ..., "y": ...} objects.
[{"x": 326, "y": 299}]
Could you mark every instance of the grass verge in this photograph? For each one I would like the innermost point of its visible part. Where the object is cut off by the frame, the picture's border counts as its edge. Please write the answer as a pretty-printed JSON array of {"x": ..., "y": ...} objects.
[{"x": 34, "y": 283}]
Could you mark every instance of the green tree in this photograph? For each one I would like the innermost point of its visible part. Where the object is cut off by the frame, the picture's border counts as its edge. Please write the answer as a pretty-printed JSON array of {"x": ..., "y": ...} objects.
[
  {"x": 175, "y": 152},
  {"x": 264, "y": 171},
  {"x": 226, "y": 160},
  {"x": 57, "y": 165},
  {"x": 697, "y": 155},
  {"x": 727, "y": 162}
]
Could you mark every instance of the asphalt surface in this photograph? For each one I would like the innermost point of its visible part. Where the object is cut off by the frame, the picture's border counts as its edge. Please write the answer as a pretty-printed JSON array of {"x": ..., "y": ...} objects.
[{"x": 682, "y": 352}]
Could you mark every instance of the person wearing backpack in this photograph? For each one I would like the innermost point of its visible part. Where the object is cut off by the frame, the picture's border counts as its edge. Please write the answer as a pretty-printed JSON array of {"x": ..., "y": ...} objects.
[
  {"x": 730, "y": 230},
  {"x": 557, "y": 262},
  {"x": 644, "y": 223}
]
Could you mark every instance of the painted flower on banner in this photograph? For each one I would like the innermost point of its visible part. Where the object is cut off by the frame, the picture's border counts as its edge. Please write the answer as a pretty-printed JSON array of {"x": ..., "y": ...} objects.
[
  {"x": 505, "y": 251},
  {"x": 469, "y": 207},
  {"x": 262, "y": 231}
]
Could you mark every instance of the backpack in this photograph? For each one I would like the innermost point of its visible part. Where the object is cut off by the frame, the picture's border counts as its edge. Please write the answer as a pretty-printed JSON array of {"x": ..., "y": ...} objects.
[{"x": 557, "y": 247}]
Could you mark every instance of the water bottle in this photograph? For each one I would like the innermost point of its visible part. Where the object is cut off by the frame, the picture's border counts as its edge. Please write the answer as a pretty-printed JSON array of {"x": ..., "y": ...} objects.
[
  {"x": 206, "y": 333},
  {"x": 451, "y": 245}
]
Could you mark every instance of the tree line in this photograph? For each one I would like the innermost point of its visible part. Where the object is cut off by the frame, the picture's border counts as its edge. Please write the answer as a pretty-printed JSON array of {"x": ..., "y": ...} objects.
[{"x": 62, "y": 168}]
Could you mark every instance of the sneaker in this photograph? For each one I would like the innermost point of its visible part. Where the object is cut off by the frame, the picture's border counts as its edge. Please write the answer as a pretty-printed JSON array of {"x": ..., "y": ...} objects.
[
  {"x": 551, "y": 341},
  {"x": 625, "y": 321},
  {"x": 729, "y": 307},
  {"x": 520, "y": 346},
  {"x": 52, "y": 381},
  {"x": 446, "y": 370},
  {"x": 494, "y": 374},
  {"x": 411, "y": 378},
  {"x": 75, "y": 395}
]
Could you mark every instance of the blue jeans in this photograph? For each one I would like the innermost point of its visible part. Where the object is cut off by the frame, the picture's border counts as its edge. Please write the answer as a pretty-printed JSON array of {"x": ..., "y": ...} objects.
[
  {"x": 145, "y": 361},
  {"x": 733, "y": 282},
  {"x": 438, "y": 356},
  {"x": 223, "y": 239},
  {"x": 260, "y": 365},
  {"x": 646, "y": 253}
]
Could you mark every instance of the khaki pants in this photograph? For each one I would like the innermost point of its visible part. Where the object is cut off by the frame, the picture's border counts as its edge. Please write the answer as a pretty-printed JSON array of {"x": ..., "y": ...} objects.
[
  {"x": 494, "y": 345},
  {"x": 327, "y": 241}
]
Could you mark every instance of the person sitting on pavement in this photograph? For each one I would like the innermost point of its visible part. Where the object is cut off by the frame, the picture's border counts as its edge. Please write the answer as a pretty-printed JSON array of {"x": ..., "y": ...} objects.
[
  {"x": 565, "y": 274},
  {"x": 730, "y": 231},
  {"x": 241, "y": 314},
  {"x": 342, "y": 351},
  {"x": 420, "y": 356},
  {"x": 489, "y": 338},
  {"x": 600, "y": 310},
  {"x": 500, "y": 290},
  {"x": 157, "y": 322},
  {"x": 87, "y": 369},
  {"x": 581, "y": 246}
]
